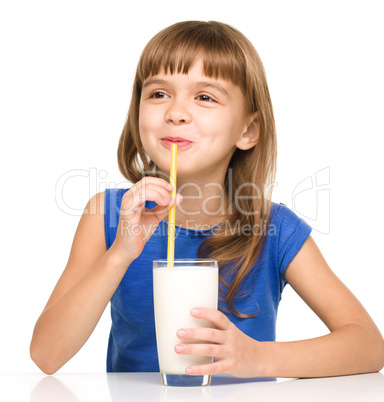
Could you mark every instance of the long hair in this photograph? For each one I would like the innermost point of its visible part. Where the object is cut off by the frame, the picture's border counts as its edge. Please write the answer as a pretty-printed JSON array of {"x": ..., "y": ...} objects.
[{"x": 227, "y": 54}]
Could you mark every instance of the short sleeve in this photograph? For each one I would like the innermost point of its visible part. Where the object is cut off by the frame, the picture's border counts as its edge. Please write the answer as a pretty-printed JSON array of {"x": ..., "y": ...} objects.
[
  {"x": 112, "y": 204},
  {"x": 293, "y": 232}
]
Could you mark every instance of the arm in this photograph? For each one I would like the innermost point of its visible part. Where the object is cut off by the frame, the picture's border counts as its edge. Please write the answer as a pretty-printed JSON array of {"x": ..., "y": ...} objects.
[
  {"x": 92, "y": 273},
  {"x": 353, "y": 346},
  {"x": 80, "y": 296}
]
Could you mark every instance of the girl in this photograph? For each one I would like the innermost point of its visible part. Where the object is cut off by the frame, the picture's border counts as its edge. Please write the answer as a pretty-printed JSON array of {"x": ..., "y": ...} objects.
[{"x": 202, "y": 85}]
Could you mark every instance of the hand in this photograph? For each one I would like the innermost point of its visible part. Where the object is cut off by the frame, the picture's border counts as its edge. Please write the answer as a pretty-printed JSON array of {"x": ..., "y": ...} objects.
[
  {"x": 235, "y": 353},
  {"x": 137, "y": 223}
]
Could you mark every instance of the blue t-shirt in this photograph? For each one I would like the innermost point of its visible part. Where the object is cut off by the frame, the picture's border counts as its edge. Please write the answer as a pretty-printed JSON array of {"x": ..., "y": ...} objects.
[{"x": 132, "y": 341}]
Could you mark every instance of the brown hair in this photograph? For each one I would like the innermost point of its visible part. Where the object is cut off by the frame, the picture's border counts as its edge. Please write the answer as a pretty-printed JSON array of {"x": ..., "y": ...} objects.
[{"x": 226, "y": 53}]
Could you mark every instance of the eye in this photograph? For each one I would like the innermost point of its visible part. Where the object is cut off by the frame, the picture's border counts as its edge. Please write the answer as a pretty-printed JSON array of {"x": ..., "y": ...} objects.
[
  {"x": 205, "y": 98},
  {"x": 159, "y": 95}
]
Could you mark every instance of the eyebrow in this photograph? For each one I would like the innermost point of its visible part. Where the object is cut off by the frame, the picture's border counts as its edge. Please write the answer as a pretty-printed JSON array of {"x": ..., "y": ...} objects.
[
  {"x": 199, "y": 84},
  {"x": 213, "y": 85},
  {"x": 153, "y": 81}
]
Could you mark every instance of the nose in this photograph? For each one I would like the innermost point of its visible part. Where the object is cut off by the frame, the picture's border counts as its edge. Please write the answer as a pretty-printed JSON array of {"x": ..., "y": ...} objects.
[{"x": 177, "y": 113}]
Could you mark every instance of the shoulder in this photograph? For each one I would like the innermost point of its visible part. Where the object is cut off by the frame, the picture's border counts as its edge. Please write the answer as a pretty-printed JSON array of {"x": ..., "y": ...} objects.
[
  {"x": 92, "y": 220},
  {"x": 89, "y": 237},
  {"x": 93, "y": 215},
  {"x": 280, "y": 213},
  {"x": 287, "y": 233},
  {"x": 95, "y": 205},
  {"x": 286, "y": 221}
]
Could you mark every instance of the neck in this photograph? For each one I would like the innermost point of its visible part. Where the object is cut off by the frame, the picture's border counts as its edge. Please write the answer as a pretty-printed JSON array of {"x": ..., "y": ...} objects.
[{"x": 204, "y": 202}]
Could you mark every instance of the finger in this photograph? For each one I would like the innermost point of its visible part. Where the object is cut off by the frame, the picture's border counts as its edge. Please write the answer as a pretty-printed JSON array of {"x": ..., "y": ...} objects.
[
  {"x": 158, "y": 195},
  {"x": 161, "y": 186},
  {"x": 161, "y": 211},
  {"x": 219, "y": 320},
  {"x": 156, "y": 181},
  {"x": 202, "y": 334},
  {"x": 200, "y": 349},
  {"x": 144, "y": 188},
  {"x": 133, "y": 198},
  {"x": 131, "y": 201},
  {"x": 212, "y": 368},
  {"x": 136, "y": 197}
]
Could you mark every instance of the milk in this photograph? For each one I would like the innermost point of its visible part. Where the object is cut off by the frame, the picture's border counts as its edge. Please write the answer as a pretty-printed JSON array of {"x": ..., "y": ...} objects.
[{"x": 176, "y": 291}]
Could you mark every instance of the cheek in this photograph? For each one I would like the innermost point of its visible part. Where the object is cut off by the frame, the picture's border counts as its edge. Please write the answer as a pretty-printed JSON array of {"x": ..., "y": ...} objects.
[
  {"x": 150, "y": 120},
  {"x": 143, "y": 119},
  {"x": 211, "y": 125},
  {"x": 146, "y": 125},
  {"x": 225, "y": 128}
]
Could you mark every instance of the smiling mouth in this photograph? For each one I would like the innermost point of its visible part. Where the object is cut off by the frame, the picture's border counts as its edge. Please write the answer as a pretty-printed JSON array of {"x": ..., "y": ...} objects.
[{"x": 181, "y": 142}]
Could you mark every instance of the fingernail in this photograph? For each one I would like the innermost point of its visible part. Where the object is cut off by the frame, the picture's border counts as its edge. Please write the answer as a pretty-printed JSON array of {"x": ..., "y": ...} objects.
[
  {"x": 189, "y": 370},
  {"x": 179, "y": 197},
  {"x": 179, "y": 348},
  {"x": 180, "y": 333},
  {"x": 195, "y": 311}
]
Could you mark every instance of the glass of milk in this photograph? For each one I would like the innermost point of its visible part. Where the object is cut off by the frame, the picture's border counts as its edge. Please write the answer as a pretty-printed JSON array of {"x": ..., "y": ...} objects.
[{"x": 190, "y": 283}]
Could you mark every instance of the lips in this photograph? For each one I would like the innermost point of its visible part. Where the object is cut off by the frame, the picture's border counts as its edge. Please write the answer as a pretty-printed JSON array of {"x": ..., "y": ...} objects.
[{"x": 181, "y": 142}]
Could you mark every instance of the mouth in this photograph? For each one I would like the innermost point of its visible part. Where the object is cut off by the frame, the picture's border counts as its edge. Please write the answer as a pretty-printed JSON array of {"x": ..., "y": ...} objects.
[{"x": 181, "y": 142}]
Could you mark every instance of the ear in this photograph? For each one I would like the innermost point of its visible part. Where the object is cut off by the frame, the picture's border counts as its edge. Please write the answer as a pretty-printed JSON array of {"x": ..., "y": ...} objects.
[{"x": 250, "y": 136}]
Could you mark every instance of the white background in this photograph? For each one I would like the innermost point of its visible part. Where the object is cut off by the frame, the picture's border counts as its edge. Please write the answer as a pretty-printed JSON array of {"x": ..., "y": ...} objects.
[{"x": 65, "y": 82}]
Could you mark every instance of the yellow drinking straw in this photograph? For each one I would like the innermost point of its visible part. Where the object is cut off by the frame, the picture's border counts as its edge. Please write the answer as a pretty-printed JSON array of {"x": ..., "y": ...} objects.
[{"x": 172, "y": 210}]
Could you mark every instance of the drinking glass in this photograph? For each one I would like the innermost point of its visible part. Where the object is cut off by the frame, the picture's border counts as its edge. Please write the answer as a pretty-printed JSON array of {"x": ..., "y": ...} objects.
[{"x": 178, "y": 286}]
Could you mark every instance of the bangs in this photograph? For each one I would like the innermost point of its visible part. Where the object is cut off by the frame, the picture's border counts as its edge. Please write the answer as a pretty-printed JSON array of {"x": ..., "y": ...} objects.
[{"x": 175, "y": 49}]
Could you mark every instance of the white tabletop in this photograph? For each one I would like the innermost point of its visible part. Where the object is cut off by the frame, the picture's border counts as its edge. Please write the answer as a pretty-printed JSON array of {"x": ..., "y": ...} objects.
[{"x": 119, "y": 387}]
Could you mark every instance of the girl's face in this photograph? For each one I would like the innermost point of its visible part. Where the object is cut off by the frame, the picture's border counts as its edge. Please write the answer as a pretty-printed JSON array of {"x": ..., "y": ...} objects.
[{"x": 204, "y": 116}]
